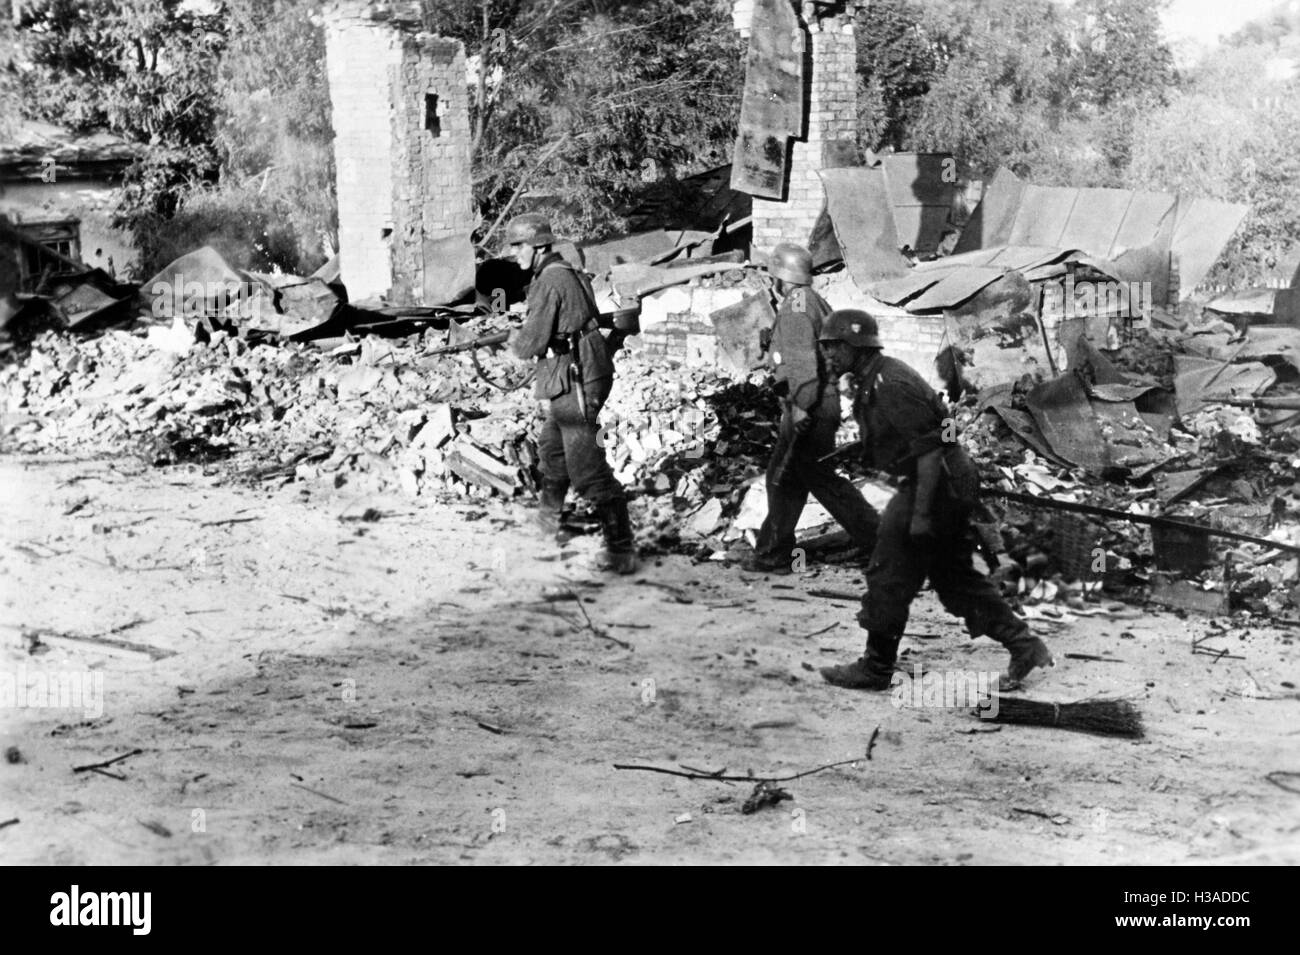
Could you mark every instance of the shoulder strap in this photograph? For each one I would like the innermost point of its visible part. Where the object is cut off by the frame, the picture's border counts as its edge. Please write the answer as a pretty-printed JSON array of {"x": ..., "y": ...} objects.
[{"x": 583, "y": 282}]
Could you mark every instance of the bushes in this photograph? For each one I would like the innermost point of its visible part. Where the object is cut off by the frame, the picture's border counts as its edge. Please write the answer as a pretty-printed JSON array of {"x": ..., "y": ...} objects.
[{"x": 249, "y": 231}]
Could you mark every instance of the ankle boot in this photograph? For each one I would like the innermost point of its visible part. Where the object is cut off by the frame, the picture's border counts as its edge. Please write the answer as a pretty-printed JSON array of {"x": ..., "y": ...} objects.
[
  {"x": 874, "y": 670},
  {"x": 550, "y": 504},
  {"x": 1027, "y": 653},
  {"x": 619, "y": 554}
]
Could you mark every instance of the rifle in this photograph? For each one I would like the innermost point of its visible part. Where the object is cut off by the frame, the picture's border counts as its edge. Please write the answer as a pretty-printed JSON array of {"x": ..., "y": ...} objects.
[
  {"x": 842, "y": 453},
  {"x": 624, "y": 322},
  {"x": 987, "y": 538},
  {"x": 483, "y": 341}
]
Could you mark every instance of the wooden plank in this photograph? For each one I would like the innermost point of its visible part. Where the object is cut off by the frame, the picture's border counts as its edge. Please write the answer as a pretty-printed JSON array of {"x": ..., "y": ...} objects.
[{"x": 472, "y": 464}]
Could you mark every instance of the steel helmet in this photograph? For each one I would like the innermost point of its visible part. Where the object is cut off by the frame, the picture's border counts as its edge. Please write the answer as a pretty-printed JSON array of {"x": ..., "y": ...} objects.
[
  {"x": 852, "y": 326},
  {"x": 529, "y": 229},
  {"x": 791, "y": 262}
]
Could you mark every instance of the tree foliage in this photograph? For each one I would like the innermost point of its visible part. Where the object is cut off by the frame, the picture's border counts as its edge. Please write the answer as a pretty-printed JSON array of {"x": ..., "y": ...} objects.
[
  {"x": 1230, "y": 134},
  {"x": 145, "y": 69},
  {"x": 896, "y": 64},
  {"x": 583, "y": 101}
]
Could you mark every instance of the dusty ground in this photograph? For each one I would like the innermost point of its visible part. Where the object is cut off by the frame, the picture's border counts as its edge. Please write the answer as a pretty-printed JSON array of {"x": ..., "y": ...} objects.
[{"x": 310, "y": 689}]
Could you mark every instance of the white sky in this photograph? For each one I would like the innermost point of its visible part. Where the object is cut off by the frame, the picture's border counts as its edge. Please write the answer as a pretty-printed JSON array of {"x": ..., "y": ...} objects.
[{"x": 1204, "y": 21}]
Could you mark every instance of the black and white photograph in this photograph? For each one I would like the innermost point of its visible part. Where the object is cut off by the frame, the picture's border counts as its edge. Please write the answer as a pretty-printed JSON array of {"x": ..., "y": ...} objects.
[{"x": 650, "y": 433}]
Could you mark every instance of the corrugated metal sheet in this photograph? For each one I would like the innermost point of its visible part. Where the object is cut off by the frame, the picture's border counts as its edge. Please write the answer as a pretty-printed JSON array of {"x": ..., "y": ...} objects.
[
  {"x": 1105, "y": 223},
  {"x": 773, "y": 105},
  {"x": 895, "y": 291},
  {"x": 920, "y": 196},
  {"x": 1042, "y": 216},
  {"x": 858, "y": 202},
  {"x": 1144, "y": 209},
  {"x": 954, "y": 288},
  {"x": 1202, "y": 229}
]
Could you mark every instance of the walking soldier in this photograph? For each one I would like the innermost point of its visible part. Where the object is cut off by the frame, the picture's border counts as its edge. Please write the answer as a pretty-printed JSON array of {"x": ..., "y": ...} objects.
[
  {"x": 574, "y": 376},
  {"x": 925, "y": 531}
]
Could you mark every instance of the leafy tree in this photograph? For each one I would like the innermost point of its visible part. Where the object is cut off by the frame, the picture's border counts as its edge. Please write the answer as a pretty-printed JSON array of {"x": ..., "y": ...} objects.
[
  {"x": 1230, "y": 134},
  {"x": 1123, "y": 57},
  {"x": 896, "y": 63},
  {"x": 144, "y": 69},
  {"x": 997, "y": 84},
  {"x": 585, "y": 100},
  {"x": 10, "y": 87},
  {"x": 274, "y": 133}
]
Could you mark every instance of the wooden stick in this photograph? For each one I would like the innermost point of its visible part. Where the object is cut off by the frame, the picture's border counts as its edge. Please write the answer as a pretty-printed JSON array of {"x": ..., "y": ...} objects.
[
  {"x": 595, "y": 630},
  {"x": 109, "y": 762},
  {"x": 317, "y": 792},
  {"x": 809, "y": 636},
  {"x": 721, "y": 777},
  {"x": 1098, "y": 511}
]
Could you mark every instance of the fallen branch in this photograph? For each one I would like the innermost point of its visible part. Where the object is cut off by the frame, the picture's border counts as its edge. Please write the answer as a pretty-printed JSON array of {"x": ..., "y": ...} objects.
[
  {"x": 1289, "y": 785},
  {"x": 596, "y": 630},
  {"x": 108, "y": 762},
  {"x": 317, "y": 792},
  {"x": 816, "y": 633},
  {"x": 834, "y": 595},
  {"x": 720, "y": 776},
  {"x": 1097, "y": 511},
  {"x": 229, "y": 520}
]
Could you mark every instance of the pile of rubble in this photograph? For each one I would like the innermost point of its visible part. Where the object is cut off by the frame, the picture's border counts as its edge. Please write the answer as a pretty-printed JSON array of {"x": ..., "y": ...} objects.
[
  {"x": 375, "y": 414},
  {"x": 1174, "y": 426}
]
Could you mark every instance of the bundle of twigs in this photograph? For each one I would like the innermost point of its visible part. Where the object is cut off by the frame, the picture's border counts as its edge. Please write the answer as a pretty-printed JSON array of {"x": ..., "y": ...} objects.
[{"x": 1100, "y": 717}]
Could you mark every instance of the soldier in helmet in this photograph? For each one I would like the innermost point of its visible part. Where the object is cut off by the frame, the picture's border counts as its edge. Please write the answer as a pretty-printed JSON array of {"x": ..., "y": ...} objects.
[
  {"x": 574, "y": 376},
  {"x": 809, "y": 420},
  {"x": 925, "y": 531}
]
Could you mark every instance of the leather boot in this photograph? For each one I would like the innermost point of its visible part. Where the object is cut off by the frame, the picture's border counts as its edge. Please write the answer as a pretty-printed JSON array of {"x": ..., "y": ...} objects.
[
  {"x": 619, "y": 554},
  {"x": 1027, "y": 653},
  {"x": 872, "y": 671},
  {"x": 550, "y": 504}
]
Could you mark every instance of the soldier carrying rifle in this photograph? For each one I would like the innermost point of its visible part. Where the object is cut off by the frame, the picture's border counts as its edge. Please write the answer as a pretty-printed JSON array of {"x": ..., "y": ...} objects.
[
  {"x": 810, "y": 418},
  {"x": 574, "y": 376},
  {"x": 926, "y": 529}
]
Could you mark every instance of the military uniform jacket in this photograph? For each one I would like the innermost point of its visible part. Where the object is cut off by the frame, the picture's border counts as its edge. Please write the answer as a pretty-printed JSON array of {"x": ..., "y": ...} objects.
[
  {"x": 900, "y": 416},
  {"x": 796, "y": 360},
  {"x": 560, "y": 304}
]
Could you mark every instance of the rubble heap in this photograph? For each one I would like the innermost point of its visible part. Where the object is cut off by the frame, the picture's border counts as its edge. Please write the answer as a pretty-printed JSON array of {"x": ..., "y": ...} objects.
[{"x": 376, "y": 415}]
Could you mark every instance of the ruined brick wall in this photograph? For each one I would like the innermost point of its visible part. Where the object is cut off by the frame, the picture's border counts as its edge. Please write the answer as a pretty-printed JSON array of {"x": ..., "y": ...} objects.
[
  {"x": 401, "y": 147},
  {"x": 362, "y": 57},
  {"x": 432, "y": 188},
  {"x": 832, "y": 116}
]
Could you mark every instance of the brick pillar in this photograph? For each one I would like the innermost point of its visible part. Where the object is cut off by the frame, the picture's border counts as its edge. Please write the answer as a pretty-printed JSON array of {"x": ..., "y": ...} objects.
[
  {"x": 432, "y": 187},
  {"x": 832, "y": 116},
  {"x": 401, "y": 146},
  {"x": 362, "y": 57}
]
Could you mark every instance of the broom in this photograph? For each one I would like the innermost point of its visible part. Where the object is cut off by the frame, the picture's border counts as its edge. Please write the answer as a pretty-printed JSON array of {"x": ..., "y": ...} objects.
[{"x": 1100, "y": 717}]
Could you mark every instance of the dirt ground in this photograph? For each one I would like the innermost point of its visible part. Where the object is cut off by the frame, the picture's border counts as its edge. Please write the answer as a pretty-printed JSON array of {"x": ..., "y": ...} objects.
[{"x": 306, "y": 687}]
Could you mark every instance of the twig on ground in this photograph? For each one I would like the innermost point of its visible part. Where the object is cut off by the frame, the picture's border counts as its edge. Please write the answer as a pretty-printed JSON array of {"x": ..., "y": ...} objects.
[
  {"x": 1290, "y": 778},
  {"x": 317, "y": 792},
  {"x": 834, "y": 595},
  {"x": 816, "y": 633},
  {"x": 596, "y": 630},
  {"x": 107, "y": 762},
  {"x": 720, "y": 776}
]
